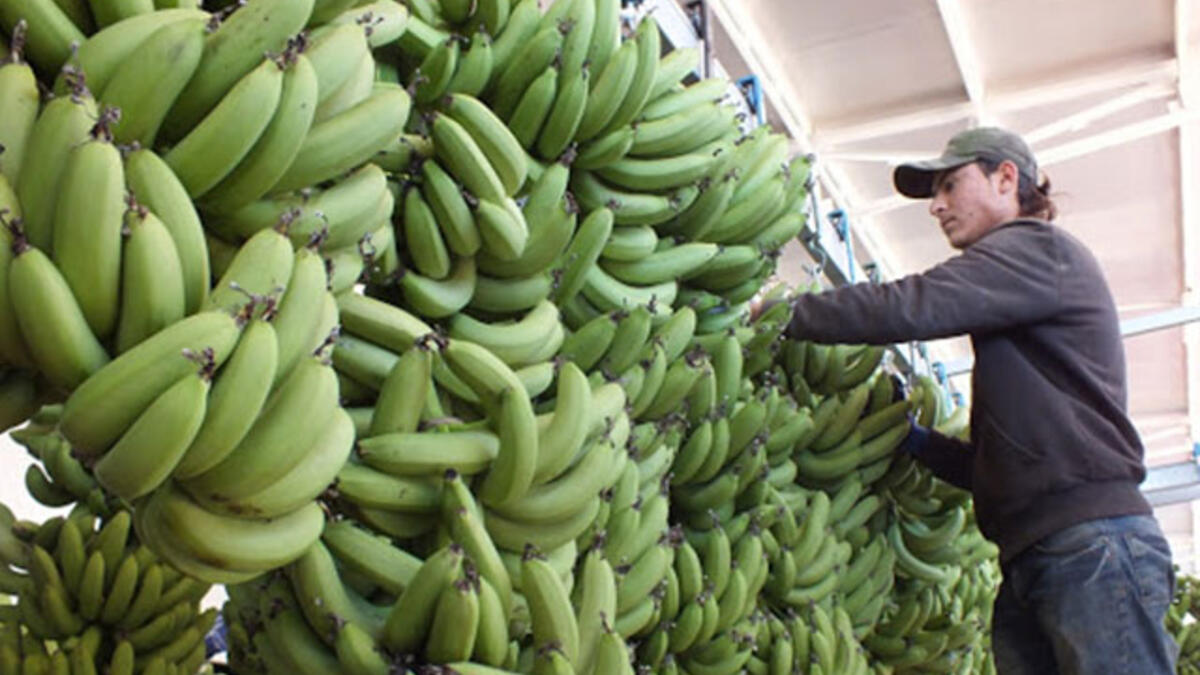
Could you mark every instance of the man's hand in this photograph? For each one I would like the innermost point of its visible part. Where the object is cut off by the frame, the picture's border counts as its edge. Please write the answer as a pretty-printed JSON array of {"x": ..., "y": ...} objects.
[{"x": 761, "y": 305}]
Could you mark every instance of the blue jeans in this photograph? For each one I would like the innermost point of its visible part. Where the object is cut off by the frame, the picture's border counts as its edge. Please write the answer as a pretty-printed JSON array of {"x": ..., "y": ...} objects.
[{"x": 1088, "y": 599}]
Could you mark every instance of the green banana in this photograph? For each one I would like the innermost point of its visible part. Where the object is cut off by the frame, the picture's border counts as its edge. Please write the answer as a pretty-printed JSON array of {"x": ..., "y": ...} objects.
[
  {"x": 199, "y": 159},
  {"x": 156, "y": 187},
  {"x": 19, "y": 100},
  {"x": 474, "y": 66},
  {"x": 146, "y": 454},
  {"x": 87, "y": 227},
  {"x": 232, "y": 51},
  {"x": 348, "y": 139},
  {"x": 50, "y": 34},
  {"x": 430, "y": 453},
  {"x": 53, "y": 324},
  {"x": 533, "y": 108},
  {"x": 502, "y": 150},
  {"x": 465, "y": 160},
  {"x": 609, "y": 91},
  {"x": 169, "y": 56},
  {"x": 647, "y": 43},
  {"x": 301, "y": 405},
  {"x": 152, "y": 294},
  {"x": 452, "y": 213},
  {"x": 408, "y": 623},
  {"x": 551, "y": 615},
  {"x": 280, "y": 142},
  {"x": 238, "y": 394},
  {"x": 308, "y": 477},
  {"x": 566, "y": 113},
  {"x": 440, "y": 298},
  {"x": 433, "y": 75},
  {"x": 423, "y": 236}
]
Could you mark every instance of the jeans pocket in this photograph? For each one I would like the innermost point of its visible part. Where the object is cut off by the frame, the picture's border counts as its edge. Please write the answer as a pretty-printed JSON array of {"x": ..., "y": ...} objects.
[
  {"x": 1150, "y": 560},
  {"x": 1074, "y": 540}
]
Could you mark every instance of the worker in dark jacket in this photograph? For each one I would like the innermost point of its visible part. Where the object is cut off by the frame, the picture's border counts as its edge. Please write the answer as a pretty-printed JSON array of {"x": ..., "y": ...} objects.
[{"x": 1054, "y": 462}]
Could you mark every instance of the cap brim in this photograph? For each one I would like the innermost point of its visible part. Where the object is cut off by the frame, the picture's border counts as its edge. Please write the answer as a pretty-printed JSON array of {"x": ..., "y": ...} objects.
[{"x": 915, "y": 179}]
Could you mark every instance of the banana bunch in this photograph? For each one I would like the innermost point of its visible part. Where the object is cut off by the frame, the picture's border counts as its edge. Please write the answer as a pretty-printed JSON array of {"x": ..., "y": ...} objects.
[
  {"x": 60, "y": 479},
  {"x": 93, "y": 600},
  {"x": 90, "y": 270},
  {"x": 1180, "y": 621},
  {"x": 269, "y": 629},
  {"x": 226, "y": 427}
]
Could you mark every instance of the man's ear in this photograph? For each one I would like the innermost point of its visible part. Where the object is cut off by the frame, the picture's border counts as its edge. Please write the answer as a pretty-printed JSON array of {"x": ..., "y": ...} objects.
[{"x": 1010, "y": 176}]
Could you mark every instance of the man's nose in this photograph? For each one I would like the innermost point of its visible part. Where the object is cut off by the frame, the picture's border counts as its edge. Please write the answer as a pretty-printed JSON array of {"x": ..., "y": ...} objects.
[{"x": 936, "y": 205}]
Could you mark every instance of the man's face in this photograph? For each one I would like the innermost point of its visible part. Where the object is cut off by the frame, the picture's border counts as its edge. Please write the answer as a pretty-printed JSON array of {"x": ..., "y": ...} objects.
[{"x": 968, "y": 203}]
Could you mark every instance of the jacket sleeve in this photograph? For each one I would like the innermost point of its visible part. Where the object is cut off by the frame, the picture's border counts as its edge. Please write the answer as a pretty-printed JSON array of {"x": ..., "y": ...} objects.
[
  {"x": 950, "y": 459},
  {"x": 1009, "y": 278}
]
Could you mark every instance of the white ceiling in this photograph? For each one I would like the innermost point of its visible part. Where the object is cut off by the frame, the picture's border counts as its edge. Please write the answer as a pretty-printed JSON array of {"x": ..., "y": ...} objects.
[{"x": 1105, "y": 90}]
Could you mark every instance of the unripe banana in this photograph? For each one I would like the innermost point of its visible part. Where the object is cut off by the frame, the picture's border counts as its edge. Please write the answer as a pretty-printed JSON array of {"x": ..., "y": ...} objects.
[
  {"x": 234, "y": 49},
  {"x": 423, "y": 236},
  {"x": 646, "y": 38},
  {"x": 303, "y": 404},
  {"x": 502, "y": 149},
  {"x": 532, "y": 109},
  {"x": 101, "y": 55},
  {"x": 237, "y": 397},
  {"x": 408, "y": 622},
  {"x": 348, "y": 139},
  {"x": 384, "y": 21},
  {"x": 439, "y": 299},
  {"x": 87, "y": 228},
  {"x": 212, "y": 149},
  {"x": 462, "y": 156},
  {"x": 169, "y": 57},
  {"x": 62, "y": 126},
  {"x": 52, "y": 322},
  {"x": 152, "y": 296},
  {"x": 280, "y": 142},
  {"x": 261, "y": 268},
  {"x": 433, "y": 75},
  {"x": 566, "y": 114},
  {"x": 19, "y": 101},
  {"x": 51, "y": 32},
  {"x": 551, "y": 615},
  {"x": 147, "y": 453}
]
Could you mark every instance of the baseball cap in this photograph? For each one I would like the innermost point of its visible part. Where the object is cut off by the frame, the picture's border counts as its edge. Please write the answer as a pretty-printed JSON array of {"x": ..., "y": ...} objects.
[{"x": 915, "y": 179}]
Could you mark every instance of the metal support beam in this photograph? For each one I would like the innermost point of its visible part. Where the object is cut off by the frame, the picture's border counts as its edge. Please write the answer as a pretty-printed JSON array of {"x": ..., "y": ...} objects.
[
  {"x": 674, "y": 23},
  {"x": 964, "y": 55},
  {"x": 1158, "y": 321},
  {"x": 1115, "y": 137},
  {"x": 1172, "y": 483},
  {"x": 1083, "y": 118}
]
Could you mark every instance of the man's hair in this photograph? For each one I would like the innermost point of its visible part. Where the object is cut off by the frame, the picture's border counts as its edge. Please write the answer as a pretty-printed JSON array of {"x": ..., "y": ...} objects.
[{"x": 1034, "y": 200}]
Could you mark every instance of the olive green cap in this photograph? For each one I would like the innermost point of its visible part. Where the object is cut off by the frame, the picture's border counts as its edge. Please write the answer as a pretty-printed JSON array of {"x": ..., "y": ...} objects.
[{"x": 915, "y": 179}]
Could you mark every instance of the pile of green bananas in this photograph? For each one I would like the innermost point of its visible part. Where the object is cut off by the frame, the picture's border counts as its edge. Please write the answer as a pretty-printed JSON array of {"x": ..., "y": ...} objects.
[
  {"x": 1181, "y": 622},
  {"x": 424, "y": 328},
  {"x": 93, "y": 601}
]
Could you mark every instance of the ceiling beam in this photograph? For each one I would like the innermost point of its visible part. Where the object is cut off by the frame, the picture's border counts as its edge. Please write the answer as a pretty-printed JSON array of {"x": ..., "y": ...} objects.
[
  {"x": 1082, "y": 119},
  {"x": 1002, "y": 100},
  {"x": 1114, "y": 137},
  {"x": 964, "y": 56}
]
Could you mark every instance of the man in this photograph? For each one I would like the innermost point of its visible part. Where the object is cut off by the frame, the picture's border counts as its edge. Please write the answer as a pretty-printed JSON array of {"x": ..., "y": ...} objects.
[{"x": 1054, "y": 462}]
